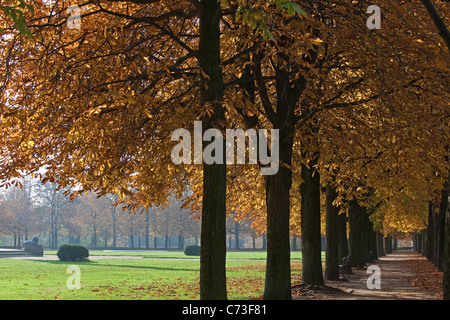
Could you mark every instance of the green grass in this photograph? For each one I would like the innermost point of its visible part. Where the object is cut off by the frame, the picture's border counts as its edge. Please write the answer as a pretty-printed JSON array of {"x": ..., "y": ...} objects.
[
  {"x": 231, "y": 255},
  {"x": 132, "y": 278}
]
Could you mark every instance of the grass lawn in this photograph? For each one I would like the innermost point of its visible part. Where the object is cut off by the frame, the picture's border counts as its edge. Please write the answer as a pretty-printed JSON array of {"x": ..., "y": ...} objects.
[
  {"x": 231, "y": 255},
  {"x": 132, "y": 278}
]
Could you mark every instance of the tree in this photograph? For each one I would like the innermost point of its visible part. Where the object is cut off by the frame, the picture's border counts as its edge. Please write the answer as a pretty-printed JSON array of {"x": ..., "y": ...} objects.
[
  {"x": 370, "y": 101},
  {"x": 57, "y": 206},
  {"x": 102, "y": 101},
  {"x": 332, "y": 236},
  {"x": 446, "y": 257}
]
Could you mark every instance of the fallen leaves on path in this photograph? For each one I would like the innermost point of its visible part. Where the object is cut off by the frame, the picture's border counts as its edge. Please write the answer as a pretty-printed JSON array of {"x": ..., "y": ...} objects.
[{"x": 426, "y": 277}]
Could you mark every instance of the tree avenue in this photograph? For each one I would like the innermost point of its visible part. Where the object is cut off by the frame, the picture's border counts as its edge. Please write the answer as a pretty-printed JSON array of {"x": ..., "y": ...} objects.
[{"x": 362, "y": 114}]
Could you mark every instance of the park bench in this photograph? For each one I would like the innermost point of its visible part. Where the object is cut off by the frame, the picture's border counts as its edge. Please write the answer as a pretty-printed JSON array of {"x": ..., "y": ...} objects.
[{"x": 345, "y": 268}]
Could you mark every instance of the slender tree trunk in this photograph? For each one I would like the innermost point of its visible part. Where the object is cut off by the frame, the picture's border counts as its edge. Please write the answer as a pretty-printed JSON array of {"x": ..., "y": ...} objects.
[
  {"x": 236, "y": 234},
  {"x": 114, "y": 225},
  {"x": 147, "y": 230},
  {"x": 278, "y": 269},
  {"x": 310, "y": 225},
  {"x": 430, "y": 233},
  {"x": 424, "y": 242},
  {"x": 332, "y": 245},
  {"x": 213, "y": 233},
  {"x": 441, "y": 227},
  {"x": 446, "y": 257},
  {"x": 52, "y": 227}
]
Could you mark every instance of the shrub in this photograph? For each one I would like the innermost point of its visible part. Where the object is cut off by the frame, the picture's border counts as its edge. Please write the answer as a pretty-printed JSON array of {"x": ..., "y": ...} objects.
[
  {"x": 192, "y": 250},
  {"x": 72, "y": 252}
]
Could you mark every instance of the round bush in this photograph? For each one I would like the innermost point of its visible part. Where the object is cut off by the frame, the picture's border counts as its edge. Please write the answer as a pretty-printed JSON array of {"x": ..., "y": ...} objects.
[
  {"x": 72, "y": 252},
  {"x": 192, "y": 250}
]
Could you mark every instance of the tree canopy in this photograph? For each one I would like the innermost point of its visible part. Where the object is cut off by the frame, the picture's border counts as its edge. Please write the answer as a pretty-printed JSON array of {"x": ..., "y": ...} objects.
[{"x": 363, "y": 110}]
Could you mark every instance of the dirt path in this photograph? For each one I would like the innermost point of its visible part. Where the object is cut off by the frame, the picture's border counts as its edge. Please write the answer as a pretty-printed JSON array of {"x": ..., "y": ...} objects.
[{"x": 396, "y": 274}]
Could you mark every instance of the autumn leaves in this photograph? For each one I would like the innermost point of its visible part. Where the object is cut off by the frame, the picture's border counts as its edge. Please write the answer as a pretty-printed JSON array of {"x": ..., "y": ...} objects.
[
  {"x": 362, "y": 110},
  {"x": 214, "y": 152}
]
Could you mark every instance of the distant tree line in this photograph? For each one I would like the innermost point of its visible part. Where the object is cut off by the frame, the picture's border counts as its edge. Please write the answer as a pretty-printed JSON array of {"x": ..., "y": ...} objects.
[{"x": 45, "y": 211}]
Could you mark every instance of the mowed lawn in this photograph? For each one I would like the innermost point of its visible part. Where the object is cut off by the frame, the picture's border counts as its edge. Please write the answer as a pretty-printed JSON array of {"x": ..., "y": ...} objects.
[{"x": 152, "y": 277}]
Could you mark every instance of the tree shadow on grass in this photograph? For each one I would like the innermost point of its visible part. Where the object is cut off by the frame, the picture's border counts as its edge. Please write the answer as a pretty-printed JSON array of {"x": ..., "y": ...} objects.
[{"x": 131, "y": 266}]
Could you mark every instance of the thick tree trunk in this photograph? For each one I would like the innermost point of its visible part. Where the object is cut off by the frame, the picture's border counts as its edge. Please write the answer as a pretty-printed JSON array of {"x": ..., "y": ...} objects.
[
  {"x": 355, "y": 234},
  {"x": 388, "y": 244},
  {"x": 310, "y": 225},
  {"x": 364, "y": 235},
  {"x": 278, "y": 269},
  {"x": 342, "y": 235},
  {"x": 213, "y": 233},
  {"x": 332, "y": 245},
  {"x": 373, "y": 252},
  {"x": 380, "y": 244},
  {"x": 424, "y": 242},
  {"x": 419, "y": 242}
]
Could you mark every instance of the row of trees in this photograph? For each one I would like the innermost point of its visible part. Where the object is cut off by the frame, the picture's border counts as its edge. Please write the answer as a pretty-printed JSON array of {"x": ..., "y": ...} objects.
[
  {"x": 361, "y": 112},
  {"x": 45, "y": 211},
  {"x": 431, "y": 241}
]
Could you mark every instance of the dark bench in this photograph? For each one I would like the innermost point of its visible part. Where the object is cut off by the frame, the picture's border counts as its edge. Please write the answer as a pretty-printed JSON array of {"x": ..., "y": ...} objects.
[{"x": 345, "y": 268}]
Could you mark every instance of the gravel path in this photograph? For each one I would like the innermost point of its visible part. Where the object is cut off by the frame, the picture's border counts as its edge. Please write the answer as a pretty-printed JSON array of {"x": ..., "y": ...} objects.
[{"x": 395, "y": 284}]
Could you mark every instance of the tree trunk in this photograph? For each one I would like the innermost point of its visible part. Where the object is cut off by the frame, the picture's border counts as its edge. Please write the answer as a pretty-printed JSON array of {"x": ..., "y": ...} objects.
[
  {"x": 236, "y": 234},
  {"x": 213, "y": 234},
  {"x": 388, "y": 244},
  {"x": 430, "y": 233},
  {"x": 332, "y": 245},
  {"x": 355, "y": 234},
  {"x": 373, "y": 252},
  {"x": 424, "y": 242},
  {"x": 147, "y": 230},
  {"x": 342, "y": 235},
  {"x": 278, "y": 269},
  {"x": 419, "y": 242},
  {"x": 310, "y": 225},
  {"x": 213, "y": 228},
  {"x": 446, "y": 257},
  {"x": 365, "y": 225},
  {"x": 380, "y": 244},
  {"x": 441, "y": 227}
]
